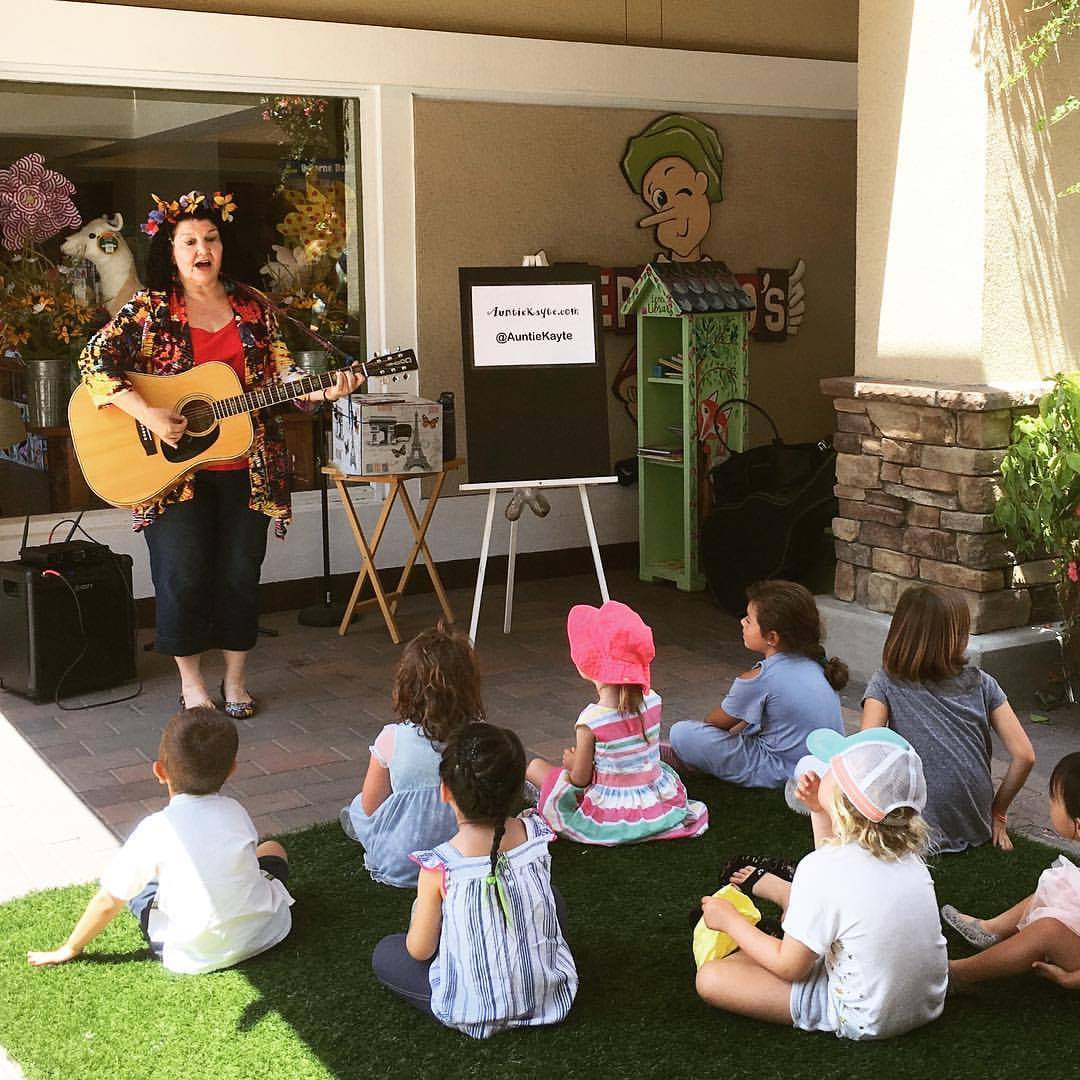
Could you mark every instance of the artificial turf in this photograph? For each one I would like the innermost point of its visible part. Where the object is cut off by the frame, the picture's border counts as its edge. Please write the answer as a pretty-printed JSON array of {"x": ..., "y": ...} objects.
[{"x": 311, "y": 1007}]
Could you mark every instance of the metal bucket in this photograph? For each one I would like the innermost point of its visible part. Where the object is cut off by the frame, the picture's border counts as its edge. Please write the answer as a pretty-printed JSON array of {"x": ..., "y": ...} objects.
[
  {"x": 312, "y": 361},
  {"x": 48, "y": 389}
]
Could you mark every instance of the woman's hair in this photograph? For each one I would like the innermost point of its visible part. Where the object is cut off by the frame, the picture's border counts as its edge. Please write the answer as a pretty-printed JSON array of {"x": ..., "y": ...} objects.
[
  {"x": 1065, "y": 783},
  {"x": 631, "y": 698},
  {"x": 437, "y": 683},
  {"x": 484, "y": 768},
  {"x": 927, "y": 636},
  {"x": 160, "y": 270},
  {"x": 902, "y": 832},
  {"x": 789, "y": 609}
]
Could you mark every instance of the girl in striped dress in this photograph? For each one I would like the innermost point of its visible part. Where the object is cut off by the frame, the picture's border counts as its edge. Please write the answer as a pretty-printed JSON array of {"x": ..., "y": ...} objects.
[
  {"x": 612, "y": 787},
  {"x": 485, "y": 950}
]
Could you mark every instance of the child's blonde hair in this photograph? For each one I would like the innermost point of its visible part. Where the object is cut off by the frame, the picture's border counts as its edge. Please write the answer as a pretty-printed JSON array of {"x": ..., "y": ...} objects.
[
  {"x": 902, "y": 832},
  {"x": 631, "y": 698}
]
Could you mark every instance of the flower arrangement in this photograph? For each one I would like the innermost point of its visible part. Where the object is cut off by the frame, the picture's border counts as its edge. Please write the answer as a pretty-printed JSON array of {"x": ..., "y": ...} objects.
[
  {"x": 301, "y": 123},
  {"x": 38, "y": 308},
  {"x": 317, "y": 307}
]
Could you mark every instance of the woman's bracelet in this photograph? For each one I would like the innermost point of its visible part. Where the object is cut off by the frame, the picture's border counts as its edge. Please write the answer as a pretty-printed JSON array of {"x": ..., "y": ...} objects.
[{"x": 324, "y": 397}]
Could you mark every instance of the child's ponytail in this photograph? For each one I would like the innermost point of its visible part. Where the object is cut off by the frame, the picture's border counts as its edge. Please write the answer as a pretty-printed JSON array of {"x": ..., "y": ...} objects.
[
  {"x": 789, "y": 610},
  {"x": 836, "y": 671},
  {"x": 496, "y": 843}
]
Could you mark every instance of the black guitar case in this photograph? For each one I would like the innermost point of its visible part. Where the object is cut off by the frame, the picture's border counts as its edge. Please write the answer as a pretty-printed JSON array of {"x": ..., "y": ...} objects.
[{"x": 771, "y": 507}]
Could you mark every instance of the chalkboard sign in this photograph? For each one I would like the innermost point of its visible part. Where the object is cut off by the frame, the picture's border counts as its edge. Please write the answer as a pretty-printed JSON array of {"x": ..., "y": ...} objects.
[{"x": 535, "y": 384}]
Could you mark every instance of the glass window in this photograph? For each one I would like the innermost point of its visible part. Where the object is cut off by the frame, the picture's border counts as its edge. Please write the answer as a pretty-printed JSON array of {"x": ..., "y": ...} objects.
[{"x": 291, "y": 171}]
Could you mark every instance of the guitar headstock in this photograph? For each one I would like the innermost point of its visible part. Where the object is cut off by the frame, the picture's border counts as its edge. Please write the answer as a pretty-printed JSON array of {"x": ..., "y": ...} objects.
[{"x": 390, "y": 363}]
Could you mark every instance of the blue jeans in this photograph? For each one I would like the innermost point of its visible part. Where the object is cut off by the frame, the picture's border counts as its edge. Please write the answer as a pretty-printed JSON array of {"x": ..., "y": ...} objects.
[{"x": 206, "y": 554}]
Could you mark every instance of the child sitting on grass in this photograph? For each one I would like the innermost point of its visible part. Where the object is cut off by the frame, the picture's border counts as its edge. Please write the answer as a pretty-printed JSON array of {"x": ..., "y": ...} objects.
[
  {"x": 398, "y": 811},
  {"x": 486, "y": 949},
  {"x": 612, "y": 787},
  {"x": 1042, "y": 932},
  {"x": 862, "y": 954},
  {"x": 758, "y": 733},
  {"x": 207, "y": 895},
  {"x": 926, "y": 692}
]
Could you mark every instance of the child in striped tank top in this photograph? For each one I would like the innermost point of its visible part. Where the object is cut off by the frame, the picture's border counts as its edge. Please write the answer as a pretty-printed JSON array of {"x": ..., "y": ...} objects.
[
  {"x": 612, "y": 787},
  {"x": 486, "y": 949}
]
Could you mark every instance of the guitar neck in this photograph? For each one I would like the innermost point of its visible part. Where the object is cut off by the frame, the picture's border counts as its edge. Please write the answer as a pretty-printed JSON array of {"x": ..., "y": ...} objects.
[
  {"x": 281, "y": 391},
  {"x": 277, "y": 393}
]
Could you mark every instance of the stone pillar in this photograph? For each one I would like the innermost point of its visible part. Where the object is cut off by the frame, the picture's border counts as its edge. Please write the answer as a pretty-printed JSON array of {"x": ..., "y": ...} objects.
[
  {"x": 962, "y": 303},
  {"x": 916, "y": 473}
]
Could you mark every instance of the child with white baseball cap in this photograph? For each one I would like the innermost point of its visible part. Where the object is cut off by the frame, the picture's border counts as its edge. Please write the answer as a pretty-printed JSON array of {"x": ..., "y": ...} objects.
[{"x": 863, "y": 954}]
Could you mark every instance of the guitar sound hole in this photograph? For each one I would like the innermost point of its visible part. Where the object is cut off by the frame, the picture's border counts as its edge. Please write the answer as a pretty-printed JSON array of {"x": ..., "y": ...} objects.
[{"x": 200, "y": 417}]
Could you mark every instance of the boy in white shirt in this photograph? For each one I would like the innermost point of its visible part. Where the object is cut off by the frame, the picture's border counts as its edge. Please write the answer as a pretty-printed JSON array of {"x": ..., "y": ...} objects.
[{"x": 207, "y": 895}]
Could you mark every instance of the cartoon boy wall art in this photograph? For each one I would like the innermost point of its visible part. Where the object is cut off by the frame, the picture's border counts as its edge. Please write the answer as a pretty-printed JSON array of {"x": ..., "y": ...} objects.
[{"x": 675, "y": 164}]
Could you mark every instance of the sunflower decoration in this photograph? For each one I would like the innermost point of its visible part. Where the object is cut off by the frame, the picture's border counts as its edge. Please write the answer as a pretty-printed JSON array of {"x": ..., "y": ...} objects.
[{"x": 317, "y": 221}]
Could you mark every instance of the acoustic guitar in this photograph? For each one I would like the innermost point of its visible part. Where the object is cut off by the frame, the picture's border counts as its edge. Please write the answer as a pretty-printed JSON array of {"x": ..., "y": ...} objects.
[{"x": 126, "y": 464}]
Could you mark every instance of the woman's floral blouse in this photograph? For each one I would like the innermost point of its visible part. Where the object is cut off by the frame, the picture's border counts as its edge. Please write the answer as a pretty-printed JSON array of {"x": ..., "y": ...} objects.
[{"x": 150, "y": 334}]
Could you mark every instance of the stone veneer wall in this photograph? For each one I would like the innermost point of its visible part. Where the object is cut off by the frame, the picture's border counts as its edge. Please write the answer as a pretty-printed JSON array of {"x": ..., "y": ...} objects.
[{"x": 916, "y": 473}]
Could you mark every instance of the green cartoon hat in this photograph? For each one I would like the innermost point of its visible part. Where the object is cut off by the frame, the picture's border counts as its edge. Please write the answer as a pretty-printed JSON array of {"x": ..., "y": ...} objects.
[{"x": 675, "y": 135}]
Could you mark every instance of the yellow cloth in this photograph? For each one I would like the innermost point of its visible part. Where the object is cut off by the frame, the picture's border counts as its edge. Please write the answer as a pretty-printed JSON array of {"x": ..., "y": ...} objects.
[{"x": 713, "y": 944}]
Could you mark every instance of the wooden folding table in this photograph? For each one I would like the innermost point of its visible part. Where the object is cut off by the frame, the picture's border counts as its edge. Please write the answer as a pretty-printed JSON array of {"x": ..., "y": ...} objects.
[{"x": 397, "y": 491}]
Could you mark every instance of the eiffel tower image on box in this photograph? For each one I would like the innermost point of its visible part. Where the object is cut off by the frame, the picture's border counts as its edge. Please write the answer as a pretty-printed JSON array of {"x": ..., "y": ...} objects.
[{"x": 416, "y": 459}]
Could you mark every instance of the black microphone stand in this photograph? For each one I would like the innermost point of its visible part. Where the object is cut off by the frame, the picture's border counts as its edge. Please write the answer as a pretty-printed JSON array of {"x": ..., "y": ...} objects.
[{"x": 327, "y": 612}]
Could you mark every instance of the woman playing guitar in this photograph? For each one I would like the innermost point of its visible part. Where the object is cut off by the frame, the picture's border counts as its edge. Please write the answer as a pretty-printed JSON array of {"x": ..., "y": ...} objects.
[{"x": 206, "y": 536}]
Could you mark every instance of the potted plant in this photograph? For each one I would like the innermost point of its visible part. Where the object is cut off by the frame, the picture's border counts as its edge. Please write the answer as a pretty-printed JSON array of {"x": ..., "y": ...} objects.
[
  {"x": 322, "y": 312},
  {"x": 1039, "y": 507},
  {"x": 42, "y": 321},
  {"x": 303, "y": 124}
]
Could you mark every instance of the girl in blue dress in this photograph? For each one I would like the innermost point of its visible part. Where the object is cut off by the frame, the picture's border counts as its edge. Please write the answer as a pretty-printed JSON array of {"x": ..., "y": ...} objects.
[
  {"x": 485, "y": 950},
  {"x": 398, "y": 811},
  {"x": 757, "y": 734}
]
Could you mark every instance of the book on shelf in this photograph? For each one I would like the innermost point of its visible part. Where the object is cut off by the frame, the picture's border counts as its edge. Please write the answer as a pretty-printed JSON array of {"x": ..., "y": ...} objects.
[
  {"x": 672, "y": 363},
  {"x": 666, "y": 453}
]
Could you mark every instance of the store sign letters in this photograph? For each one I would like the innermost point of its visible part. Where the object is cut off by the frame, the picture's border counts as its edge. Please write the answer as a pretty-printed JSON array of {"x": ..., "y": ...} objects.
[{"x": 778, "y": 294}]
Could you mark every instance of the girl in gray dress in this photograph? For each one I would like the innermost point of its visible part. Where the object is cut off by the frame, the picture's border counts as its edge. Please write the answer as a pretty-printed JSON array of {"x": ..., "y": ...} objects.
[{"x": 926, "y": 692}]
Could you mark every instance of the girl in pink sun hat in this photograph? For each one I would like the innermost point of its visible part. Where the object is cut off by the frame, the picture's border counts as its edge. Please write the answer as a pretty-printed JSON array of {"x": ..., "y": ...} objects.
[{"x": 612, "y": 787}]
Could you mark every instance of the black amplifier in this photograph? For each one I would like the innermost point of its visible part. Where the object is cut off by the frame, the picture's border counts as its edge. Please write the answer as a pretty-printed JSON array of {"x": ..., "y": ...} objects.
[{"x": 50, "y": 613}]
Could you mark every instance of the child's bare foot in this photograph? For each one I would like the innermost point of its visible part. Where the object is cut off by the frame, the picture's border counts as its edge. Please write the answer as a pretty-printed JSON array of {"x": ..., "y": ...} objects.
[
  {"x": 969, "y": 928},
  {"x": 763, "y": 884}
]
